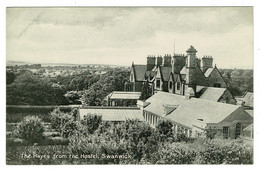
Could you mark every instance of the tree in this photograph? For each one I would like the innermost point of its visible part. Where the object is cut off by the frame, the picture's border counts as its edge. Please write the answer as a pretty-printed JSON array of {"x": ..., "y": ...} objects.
[
  {"x": 10, "y": 77},
  {"x": 29, "y": 89}
]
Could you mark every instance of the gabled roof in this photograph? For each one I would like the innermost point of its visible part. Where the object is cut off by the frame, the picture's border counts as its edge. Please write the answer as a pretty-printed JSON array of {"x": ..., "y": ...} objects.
[
  {"x": 112, "y": 113},
  {"x": 150, "y": 74},
  {"x": 165, "y": 73},
  {"x": 160, "y": 99},
  {"x": 208, "y": 72},
  {"x": 194, "y": 110},
  {"x": 174, "y": 76},
  {"x": 213, "y": 93},
  {"x": 124, "y": 95},
  {"x": 139, "y": 71}
]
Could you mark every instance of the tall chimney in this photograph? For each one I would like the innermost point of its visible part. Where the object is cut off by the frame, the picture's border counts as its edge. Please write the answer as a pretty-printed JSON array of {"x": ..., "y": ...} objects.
[
  {"x": 150, "y": 62},
  {"x": 207, "y": 62}
]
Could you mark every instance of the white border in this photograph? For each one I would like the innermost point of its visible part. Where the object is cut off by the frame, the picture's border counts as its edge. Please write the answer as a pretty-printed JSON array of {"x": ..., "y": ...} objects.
[{"x": 75, "y": 3}]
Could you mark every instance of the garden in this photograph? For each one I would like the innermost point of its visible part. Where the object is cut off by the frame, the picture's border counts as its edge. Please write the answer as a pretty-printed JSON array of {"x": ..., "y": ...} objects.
[{"x": 57, "y": 137}]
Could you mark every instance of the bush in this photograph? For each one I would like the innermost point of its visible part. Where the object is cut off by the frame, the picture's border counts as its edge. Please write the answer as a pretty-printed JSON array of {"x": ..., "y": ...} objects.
[
  {"x": 64, "y": 123},
  {"x": 30, "y": 129},
  {"x": 94, "y": 144},
  {"x": 219, "y": 151},
  {"x": 92, "y": 122},
  {"x": 165, "y": 130},
  {"x": 175, "y": 153}
]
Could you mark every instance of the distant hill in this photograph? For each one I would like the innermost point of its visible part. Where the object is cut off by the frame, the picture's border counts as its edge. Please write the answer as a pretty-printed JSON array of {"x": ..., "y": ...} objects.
[{"x": 13, "y": 63}]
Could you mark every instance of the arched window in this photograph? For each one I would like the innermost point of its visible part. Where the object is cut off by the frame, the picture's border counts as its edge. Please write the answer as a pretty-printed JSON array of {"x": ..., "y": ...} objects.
[{"x": 238, "y": 129}]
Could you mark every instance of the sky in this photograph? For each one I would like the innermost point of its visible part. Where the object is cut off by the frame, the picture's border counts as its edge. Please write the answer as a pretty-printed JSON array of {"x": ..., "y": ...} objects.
[{"x": 119, "y": 36}]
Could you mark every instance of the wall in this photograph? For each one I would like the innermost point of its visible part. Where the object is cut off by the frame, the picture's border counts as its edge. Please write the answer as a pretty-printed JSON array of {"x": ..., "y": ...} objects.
[
  {"x": 230, "y": 121},
  {"x": 215, "y": 77},
  {"x": 138, "y": 86},
  {"x": 227, "y": 98}
]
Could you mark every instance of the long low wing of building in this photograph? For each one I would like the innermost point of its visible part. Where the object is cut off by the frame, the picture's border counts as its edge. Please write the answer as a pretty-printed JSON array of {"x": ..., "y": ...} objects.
[
  {"x": 113, "y": 114},
  {"x": 193, "y": 116}
]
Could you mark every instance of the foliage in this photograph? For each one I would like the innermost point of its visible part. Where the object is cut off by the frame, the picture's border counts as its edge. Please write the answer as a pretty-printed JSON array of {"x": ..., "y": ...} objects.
[
  {"x": 73, "y": 97},
  {"x": 91, "y": 122},
  {"x": 16, "y": 114},
  {"x": 96, "y": 145},
  {"x": 165, "y": 130},
  {"x": 16, "y": 155},
  {"x": 239, "y": 81},
  {"x": 30, "y": 129},
  {"x": 175, "y": 153},
  {"x": 29, "y": 89},
  {"x": 224, "y": 151},
  {"x": 113, "y": 80},
  {"x": 64, "y": 123},
  {"x": 10, "y": 77},
  {"x": 210, "y": 134}
]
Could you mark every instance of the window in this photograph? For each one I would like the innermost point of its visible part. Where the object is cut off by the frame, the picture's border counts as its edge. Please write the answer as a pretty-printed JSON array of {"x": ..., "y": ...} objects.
[
  {"x": 238, "y": 130},
  {"x": 217, "y": 85},
  {"x": 225, "y": 132},
  {"x": 132, "y": 78},
  {"x": 170, "y": 85},
  {"x": 178, "y": 85},
  {"x": 158, "y": 83}
]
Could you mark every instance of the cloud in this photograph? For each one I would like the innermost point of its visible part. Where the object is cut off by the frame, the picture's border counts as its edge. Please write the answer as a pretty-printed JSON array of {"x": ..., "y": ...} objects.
[{"x": 98, "y": 35}]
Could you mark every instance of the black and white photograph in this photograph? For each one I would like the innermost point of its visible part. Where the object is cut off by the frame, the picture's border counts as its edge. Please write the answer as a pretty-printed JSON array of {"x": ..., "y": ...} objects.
[{"x": 138, "y": 85}]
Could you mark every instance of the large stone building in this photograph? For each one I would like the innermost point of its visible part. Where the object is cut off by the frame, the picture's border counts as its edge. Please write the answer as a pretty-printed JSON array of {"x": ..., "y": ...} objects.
[{"x": 179, "y": 74}]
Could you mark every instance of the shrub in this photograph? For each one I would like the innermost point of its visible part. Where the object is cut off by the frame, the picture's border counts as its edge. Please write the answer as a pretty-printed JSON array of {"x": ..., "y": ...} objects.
[
  {"x": 181, "y": 137},
  {"x": 92, "y": 122},
  {"x": 219, "y": 151},
  {"x": 210, "y": 134},
  {"x": 63, "y": 122},
  {"x": 175, "y": 153},
  {"x": 30, "y": 129},
  {"x": 165, "y": 130},
  {"x": 94, "y": 144},
  {"x": 141, "y": 140}
]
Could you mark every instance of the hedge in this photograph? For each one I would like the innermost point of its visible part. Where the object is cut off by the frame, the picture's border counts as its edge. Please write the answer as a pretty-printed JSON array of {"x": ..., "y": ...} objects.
[{"x": 15, "y": 114}]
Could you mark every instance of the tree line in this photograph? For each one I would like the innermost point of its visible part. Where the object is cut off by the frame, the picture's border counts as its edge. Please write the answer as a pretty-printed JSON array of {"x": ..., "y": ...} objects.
[{"x": 26, "y": 88}]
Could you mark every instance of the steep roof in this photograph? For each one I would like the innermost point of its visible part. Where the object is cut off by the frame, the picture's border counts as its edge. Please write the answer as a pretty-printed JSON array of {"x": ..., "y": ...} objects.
[
  {"x": 166, "y": 71},
  {"x": 160, "y": 99},
  {"x": 139, "y": 71},
  {"x": 194, "y": 111},
  {"x": 249, "y": 99},
  {"x": 112, "y": 113},
  {"x": 251, "y": 112},
  {"x": 124, "y": 95},
  {"x": 208, "y": 72},
  {"x": 213, "y": 93}
]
